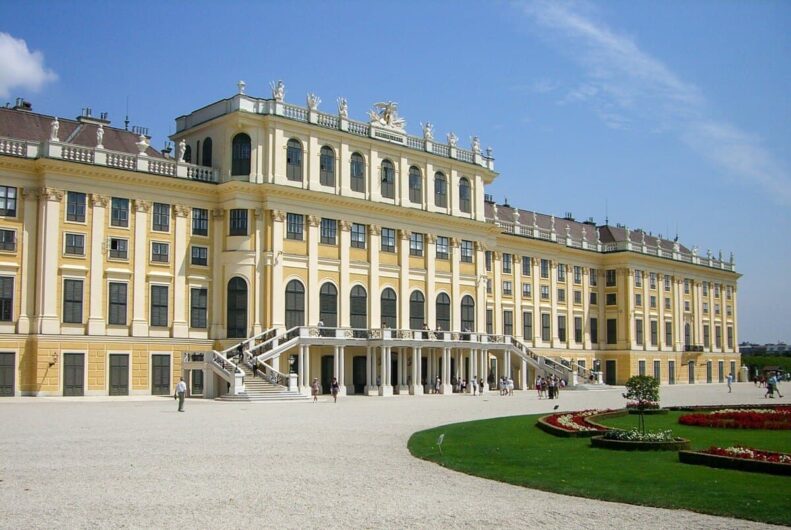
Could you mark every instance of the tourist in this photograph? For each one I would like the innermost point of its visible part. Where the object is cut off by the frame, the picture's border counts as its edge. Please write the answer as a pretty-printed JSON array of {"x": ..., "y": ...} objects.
[
  {"x": 181, "y": 391},
  {"x": 730, "y": 381},
  {"x": 425, "y": 331},
  {"x": 480, "y": 387},
  {"x": 320, "y": 325},
  {"x": 314, "y": 389},
  {"x": 254, "y": 364},
  {"x": 509, "y": 385},
  {"x": 437, "y": 385},
  {"x": 335, "y": 388},
  {"x": 538, "y": 386},
  {"x": 474, "y": 386}
]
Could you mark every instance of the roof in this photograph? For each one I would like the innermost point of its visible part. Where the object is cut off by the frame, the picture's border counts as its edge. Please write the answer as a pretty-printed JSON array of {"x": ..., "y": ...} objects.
[{"x": 34, "y": 127}]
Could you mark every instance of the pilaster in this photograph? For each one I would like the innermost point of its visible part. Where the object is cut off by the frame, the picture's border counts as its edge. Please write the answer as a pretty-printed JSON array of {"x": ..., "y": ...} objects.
[
  {"x": 312, "y": 289},
  {"x": 96, "y": 318},
  {"x": 403, "y": 279},
  {"x": 140, "y": 256},
  {"x": 28, "y": 243},
  {"x": 181, "y": 237},
  {"x": 345, "y": 283},
  {"x": 216, "y": 314},
  {"x": 277, "y": 296},
  {"x": 374, "y": 233}
]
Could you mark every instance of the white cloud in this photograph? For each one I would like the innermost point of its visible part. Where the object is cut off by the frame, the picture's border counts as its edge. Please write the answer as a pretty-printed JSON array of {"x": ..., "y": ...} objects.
[
  {"x": 21, "y": 68},
  {"x": 624, "y": 84}
]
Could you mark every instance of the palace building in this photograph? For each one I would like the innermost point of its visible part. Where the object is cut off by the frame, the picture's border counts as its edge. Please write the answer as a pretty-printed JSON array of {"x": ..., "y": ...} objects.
[{"x": 311, "y": 245}]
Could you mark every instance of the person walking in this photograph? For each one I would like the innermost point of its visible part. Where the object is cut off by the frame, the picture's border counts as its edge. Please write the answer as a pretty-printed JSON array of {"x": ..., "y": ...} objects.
[
  {"x": 181, "y": 391},
  {"x": 334, "y": 389},
  {"x": 314, "y": 389},
  {"x": 730, "y": 382},
  {"x": 474, "y": 385},
  {"x": 254, "y": 363},
  {"x": 480, "y": 387}
]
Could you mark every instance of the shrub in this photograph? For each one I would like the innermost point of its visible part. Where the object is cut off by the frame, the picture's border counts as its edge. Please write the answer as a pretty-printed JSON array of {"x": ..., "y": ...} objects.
[{"x": 638, "y": 436}]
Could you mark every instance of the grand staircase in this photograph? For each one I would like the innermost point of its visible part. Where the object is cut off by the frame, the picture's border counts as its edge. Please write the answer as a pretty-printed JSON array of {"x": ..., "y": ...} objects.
[{"x": 256, "y": 388}]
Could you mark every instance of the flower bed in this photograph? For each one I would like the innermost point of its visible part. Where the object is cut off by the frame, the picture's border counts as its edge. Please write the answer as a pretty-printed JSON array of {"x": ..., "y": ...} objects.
[
  {"x": 635, "y": 440},
  {"x": 742, "y": 458},
  {"x": 774, "y": 418},
  {"x": 572, "y": 424}
]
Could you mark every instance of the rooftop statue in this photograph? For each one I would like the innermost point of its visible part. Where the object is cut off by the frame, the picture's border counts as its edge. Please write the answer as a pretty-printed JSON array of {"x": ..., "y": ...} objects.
[
  {"x": 313, "y": 101},
  {"x": 99, "y": 137},
  {"x": 385, "y": 114},
  {"x": 428, "y": 131},
  {"x": 476, "y": 145},
  {"x": 452, "y": 139},
  {"x": 278, "y": 91},
  {"x": 343, "y": 108},
  {"x": 53, "y": 131}
]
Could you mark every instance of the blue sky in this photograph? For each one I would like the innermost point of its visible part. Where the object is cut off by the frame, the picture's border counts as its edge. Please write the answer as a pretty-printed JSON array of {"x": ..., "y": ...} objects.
[{"x": 676, "y": 115}]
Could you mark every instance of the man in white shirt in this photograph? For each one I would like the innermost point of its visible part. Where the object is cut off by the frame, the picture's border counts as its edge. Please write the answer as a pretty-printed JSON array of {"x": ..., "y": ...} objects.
[{"x": 181, "y": 391}]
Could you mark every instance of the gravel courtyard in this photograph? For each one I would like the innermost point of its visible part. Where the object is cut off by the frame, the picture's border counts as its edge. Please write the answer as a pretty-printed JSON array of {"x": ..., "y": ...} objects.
[{"x": 138, "y": 463}]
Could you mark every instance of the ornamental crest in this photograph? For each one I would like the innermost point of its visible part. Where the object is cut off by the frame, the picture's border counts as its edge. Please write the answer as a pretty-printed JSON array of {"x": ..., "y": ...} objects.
[{"x": 385, "y": 114}]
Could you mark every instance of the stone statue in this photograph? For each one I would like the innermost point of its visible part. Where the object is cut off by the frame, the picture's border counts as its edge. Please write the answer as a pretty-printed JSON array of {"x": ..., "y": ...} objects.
[
  {"x": 241, "y": 86},
  {"x": 568, "y": 230},
  {"x": 182, "y": 150},
  {"x": 385, "y": 114},
  {"x": 552, "y": 224},
  {"x": 489, "y": 152},
  {"x": 642, "y": 239},
  {"x": 278, "y": 91},
  {"x": 731, "y": 258},
  {"x": 99, "y": 137},
  {"x": 53, "y": 130},
  {"x": 452, "y": 139},
  {"x": 313, "y": 101},
  {"x": 142, "y": 144},
  {"x": 494, "y": 211},
  {"x": 516, "y": 215},
  {"x": 343, "y": 108},
  {"x": 584, "y": 235},
  {"x": 535, "y": 220},
  {"x": 428, "y": 131},
  {"x": 695, "y": 250},
  {"x": 476, "y": 145}
]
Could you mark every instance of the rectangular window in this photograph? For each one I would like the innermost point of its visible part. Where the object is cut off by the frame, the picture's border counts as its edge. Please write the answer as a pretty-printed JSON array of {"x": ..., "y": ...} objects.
[
  {"x": 489, "y": 321},
  {"x": 200, "y": 256},
  {"x": 466, "y": 251},
  {"x": 716, "y": 290},
  {"x": 706, "y": 336},
  {"x": 668, "y": 333},
  {"x": 358, "y": 235},
  {"x": 526, "y": 266},
  {"x": 75, "y": 207},
  {"x": 657, "y": 374},
  {"x": 718, "y": 337},
  {"x": 527, "y": 325},
  {"x": 160, "y": 221},
  {"x": 489, "y": 285},
  {"x": 638, "y": 300},
  {"x": 488, "y": 257},
  {"x": 75, "y": 244},
  {"x": 416, "y": 244},
  {"x": 8, "y": 201},
  {"x": 508, "y": 288},
  {"x": 527, "y": 290},
  {"x": 119, "y": 212},
  {"x": 159, "y": 305},
  {"x": 729, "y": 292},
  {"x": 8, "y": 240},
  {"x": 705, "y": 308},
  {"x": 610, "y": 299},
  {"x": 199, "y": 302},
  {"x": 561, "y": 272},
  {"x": 546, "y": 330},
  {"x": 7, "y": 298},
  {"x": 506, "y": 263},
  {"x": 329, "y": 231},
  {"x": 667, "y": 303},
  {"x": 652, "y": 280},
  {"x": 610, "y": 278},
  {"x": 638, "y": 278},
  {"x": 388, "y": 240},
  {"x": 545, "y": 292},
  {"x": 357, "y": 167},
  {"x": 641, "y": 367},
  {"x": 116, "y": 314},
  {"x": 118, "y": 248},
  {"x": 508, "y": 323},
  {"x": 545, "y": 268},
  {"x": 295, "y": 225},
  {"x": 638, "y": 331},
  {"x": 729, "y": 311},
  {"x": 686, "y": 286},
  {"x": 72, "y": 301},
  {"x": 577, "y": 274},
  {"x": 200, "y": 222},
  {"x": 594, "y": 329},
  {"x": 716, "y": 309},
  {"x": 594, "y": 298},
  {"x": 705, "y": 288},
  {"x": 612, "y": 331},
  {"x": 594, "y": 277},
  {"x": 667, "y": 283},
  {"x": 654, "y": 333},
  {"x": 561, "y": 295},
  {"x": 238, "y": 222},
  {"x": 578, "y": 297},
  {"x": 442, "y": 247},
  {"x": 578, "y": 330},
  {"x": 562, "y": 328},
  {"x": 730, "y": 339},
  {"x": 687, "y": 305},
  {"x": 160, "y": 252},
  {"x": 652, "y": 300}
]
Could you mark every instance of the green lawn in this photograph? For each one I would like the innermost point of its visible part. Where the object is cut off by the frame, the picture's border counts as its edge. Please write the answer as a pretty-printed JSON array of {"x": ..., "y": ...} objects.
[{"x": 514, "y": 450}]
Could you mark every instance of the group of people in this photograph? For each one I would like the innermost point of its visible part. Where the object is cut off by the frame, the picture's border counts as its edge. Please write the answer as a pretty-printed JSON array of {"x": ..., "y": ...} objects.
[
  {"x": 315, "y": 389},
  {"x": 506, "y": 386},
  {"x": 771, "y": 386},
  {"x": 549, "y": 387}
]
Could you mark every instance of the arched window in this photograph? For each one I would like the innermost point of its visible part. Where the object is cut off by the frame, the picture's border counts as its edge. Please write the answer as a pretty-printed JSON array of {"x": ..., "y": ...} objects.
[
  {"x": 443, "y": 312},
  {"x": 389, "y": 308},
  {"x": 327, "y": 166},
  {"x": 237, "y": 308},
  {"x": 415, "y": 185},
  {"x": 467, "y": 313},
  {"x": 388, "y": 179},
  {"x": 295, "y": 304},
  {"x": 294, "y": 160},
  {"x": 188, "y": 154},
  {"x": 328, "y": 305},
  {"x": 358, "y": 308},
  {"x": 465, "y": 204},
  {"x": 357, "y": 170},
  {"x": 417, "y": 311},
  {"x": 240, "y": 157},
  {"x": 440, "y": 190},
  {"x": 206, "y": 159}
]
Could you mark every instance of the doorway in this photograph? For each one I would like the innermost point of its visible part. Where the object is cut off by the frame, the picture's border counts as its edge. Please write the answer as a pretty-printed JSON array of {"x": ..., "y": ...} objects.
[
  {"x": 160, "y": 375},
  {"x": 327, "y": 371},
  {"x": 359, "y": 367},
  {"x": 119, "y": 375},
  {"x": 73, "y": 374},
  {"x": 7, "y": 386},
  {"x": 610, "y": 375},
  {"x": 671, "y": 372}
]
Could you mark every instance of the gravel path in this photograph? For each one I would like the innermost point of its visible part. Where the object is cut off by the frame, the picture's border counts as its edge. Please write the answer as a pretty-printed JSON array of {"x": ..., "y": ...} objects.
[{"x": 137, "y": 463}]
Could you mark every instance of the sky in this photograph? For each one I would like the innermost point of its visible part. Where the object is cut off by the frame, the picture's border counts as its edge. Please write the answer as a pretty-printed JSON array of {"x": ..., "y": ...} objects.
[{"x": 670, "y": 116}]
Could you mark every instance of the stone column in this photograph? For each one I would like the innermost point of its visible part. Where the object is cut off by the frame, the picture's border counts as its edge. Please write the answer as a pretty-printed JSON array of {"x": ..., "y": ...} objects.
[
  {"x": 431, "y": 271},
  {"x": 446, "y": 387},
  {"x": 375, "y": 318},
  {"x": 277, "y": 296},
  {"x": 258, "y": 280},
  {"x": 480, "y": 286},
  {"x": 497, "y": 291},
  {"x": 216, "y": 314},
  {"x": 140, "y": 256},
  {"x": 345, "y": 283},
  {"x": 403, "y": 279},
  {"x": 523, "y": 384},
  {"x": 28, "y": 277},
  {"x": 312, "y": 289},
  {"x": 455, "y": 313},
  {"x": 586, "y": 298},
  {"x": 416, "y": 388},
  {"x": 536, "y": 264},
  {"x": 98, "y": 246},
  {"x": 180, "y": 251},
  {"x": 370, "y": 362},
  {"x": 385, "y": 389},
  {"x": 553, "y": 296},
  {"x": 48, "y": 252},
  {"x": 660, "y": 300}
]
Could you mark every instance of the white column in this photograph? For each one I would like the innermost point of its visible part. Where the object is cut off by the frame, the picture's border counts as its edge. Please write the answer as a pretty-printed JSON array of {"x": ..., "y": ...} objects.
[
  {"x": 553, "y": 296},
  {"x": 345, "y": 284},
  {"x": 523, "y": 385},
  {"x": 403, "y": 279},
  {"x": 586, "y": 298},
  {"x": 385, "y": 389},
  {"x": 446, "y": 387},
  {"x": 48, "y": 252},
  {"x": 375, "y": 318},
  {"x": 369, "y": 362},
  {"x": 342, "y": 370},
  {"x": 416, "y": 388},
  {"x": 277, "y": 296},
  {"x": 312, "y": 289},
  {"x": 27, "y": 291},
  {"x": 140, "y": 256},
  {"x": 96, "y": 320},
  {"x": 258, "y": 280},
  {"x": 180, "y": 251},
  {"x": 536, "y": 264},
  {"x": 431, "y": 271},
  {"x": 455, "y": 298},
  {"x": 302, "y": 374},
  {"x": 480, "y": 283}
]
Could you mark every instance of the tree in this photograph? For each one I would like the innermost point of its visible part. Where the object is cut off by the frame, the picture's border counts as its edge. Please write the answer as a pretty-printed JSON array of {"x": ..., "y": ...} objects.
[{"x": 645, "y": 391}]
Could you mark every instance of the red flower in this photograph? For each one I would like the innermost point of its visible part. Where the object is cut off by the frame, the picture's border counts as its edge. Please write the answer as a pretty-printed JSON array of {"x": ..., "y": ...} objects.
[{"x": 778, "y": 418}]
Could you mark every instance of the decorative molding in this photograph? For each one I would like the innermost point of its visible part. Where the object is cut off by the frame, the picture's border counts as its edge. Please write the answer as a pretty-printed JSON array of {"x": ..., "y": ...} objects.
[
  {"x": 346, "y": 226},
  {"x": 431, "y": 239},
  {"x": 314, "y": 220},
  {"x": 181, "y": 210},
  {"x": 218, "y": 213},
  {"x": 50, "y": 194},
  {"x": 142, "y": 206},
  {"x": 404, "y": 234},
  {"x": 374, "y": 230},
  {"x": 480, "y": 247},
  {"x": 258, "y": 213},
  {"x": 99, "y": 200},
  {"x": 454, "y": 242},
  {"x": 278, "y": 215}
]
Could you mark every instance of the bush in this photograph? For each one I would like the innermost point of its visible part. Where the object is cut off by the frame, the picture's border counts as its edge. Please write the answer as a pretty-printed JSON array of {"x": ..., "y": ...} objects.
[
  {"x": 644, "y": 392},
  {"x": 637, "y": 436}
]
